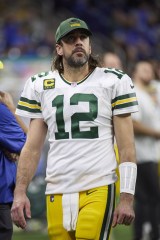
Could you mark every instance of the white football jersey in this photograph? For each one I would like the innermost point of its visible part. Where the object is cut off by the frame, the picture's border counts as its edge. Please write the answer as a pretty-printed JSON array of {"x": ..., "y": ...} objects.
[{"x": 80, "y": 127}]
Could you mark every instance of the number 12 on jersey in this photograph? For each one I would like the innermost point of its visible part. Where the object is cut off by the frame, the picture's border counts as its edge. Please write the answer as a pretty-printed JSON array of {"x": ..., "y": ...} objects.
[{"x": 76, "y": 118}]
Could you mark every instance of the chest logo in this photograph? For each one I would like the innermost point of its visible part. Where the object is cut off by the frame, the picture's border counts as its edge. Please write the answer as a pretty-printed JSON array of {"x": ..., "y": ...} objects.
[{"x": 49, "y": 83}]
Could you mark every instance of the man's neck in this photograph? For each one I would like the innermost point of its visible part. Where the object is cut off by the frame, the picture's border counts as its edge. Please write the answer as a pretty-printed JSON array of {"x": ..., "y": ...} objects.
[{"x": 75, "y": 74}]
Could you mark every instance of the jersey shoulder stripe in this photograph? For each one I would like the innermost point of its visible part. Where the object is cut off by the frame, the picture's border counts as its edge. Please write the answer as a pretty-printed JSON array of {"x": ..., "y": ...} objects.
[
  {"x": 123, "y": 101},
  {"x": 29, "y": 105},
  {"x": 29, "y": 101}
]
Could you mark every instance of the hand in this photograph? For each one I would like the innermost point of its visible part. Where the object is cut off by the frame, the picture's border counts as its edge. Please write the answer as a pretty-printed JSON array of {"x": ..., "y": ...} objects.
[
  {"x": 20, "y": 210},
  {"x": 13, "y": 157},
  {"x": 124, "y": 213},
  {"x": 7, "y": 100}
]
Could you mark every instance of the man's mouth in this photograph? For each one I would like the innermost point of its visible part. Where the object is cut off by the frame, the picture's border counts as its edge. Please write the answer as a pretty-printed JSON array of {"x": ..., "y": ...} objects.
[{"x": 78, "y": 50}]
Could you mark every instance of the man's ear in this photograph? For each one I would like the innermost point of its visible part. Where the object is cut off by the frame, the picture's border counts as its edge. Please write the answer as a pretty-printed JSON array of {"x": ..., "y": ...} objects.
[{"x": 59, "y": 49}]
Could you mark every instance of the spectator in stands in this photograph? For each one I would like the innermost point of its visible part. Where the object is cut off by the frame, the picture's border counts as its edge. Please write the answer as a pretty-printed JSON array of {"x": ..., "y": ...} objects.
[
  {"x": 111, "y": 60},
  {"x": 146, "y": 127},
  {"x": 12, "y": 138}
]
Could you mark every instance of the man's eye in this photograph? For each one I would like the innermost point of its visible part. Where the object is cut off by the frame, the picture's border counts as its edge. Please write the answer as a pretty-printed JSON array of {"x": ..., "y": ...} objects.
[
  {"x": 72, "y": 38},
  {"x": 69, "y": 39},
  {"x": 83, "y": 36}
]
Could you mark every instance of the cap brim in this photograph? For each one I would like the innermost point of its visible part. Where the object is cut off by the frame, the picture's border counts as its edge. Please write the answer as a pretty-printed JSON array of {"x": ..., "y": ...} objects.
[{"x": 67, "y": 32}]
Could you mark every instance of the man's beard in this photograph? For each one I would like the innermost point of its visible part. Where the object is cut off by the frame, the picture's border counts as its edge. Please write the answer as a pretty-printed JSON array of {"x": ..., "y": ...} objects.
[{"x": 77, "y": 62}]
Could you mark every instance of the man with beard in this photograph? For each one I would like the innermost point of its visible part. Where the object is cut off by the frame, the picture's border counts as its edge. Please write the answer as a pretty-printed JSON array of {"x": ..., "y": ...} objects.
[{"x": 82, "y": 106}]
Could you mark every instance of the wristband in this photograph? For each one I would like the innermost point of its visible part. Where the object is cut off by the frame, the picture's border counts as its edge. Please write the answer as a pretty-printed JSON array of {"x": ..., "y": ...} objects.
[{"x": 128, "y": 175}]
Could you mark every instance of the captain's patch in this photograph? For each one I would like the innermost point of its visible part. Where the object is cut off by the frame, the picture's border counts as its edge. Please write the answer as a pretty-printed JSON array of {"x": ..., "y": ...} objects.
[{"x": 49, "y": 84}]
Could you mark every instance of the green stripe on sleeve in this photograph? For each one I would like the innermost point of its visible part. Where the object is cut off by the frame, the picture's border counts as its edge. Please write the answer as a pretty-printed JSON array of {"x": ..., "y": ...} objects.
[
  {"x": 29, "y": 101},
  {"x": 123, "y": 97},
  {"x": 124, "y": 105},
  {"x": 29, "y": 105},
  {"x": 24, "y": 108}
]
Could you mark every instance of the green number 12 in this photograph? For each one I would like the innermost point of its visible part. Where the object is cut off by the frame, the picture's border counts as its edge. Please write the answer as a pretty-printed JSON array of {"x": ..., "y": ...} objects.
[{"x": 58, "y": 102}]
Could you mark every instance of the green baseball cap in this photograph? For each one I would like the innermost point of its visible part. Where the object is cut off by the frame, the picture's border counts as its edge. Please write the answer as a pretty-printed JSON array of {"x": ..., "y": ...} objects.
[{"x": 69, "y": 25}]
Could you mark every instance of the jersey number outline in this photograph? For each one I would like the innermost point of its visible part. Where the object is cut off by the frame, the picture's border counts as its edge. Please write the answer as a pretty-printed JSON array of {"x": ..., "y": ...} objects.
[
  {"x": 117, "y": 72},
  {"x": 58, "y": 102}
]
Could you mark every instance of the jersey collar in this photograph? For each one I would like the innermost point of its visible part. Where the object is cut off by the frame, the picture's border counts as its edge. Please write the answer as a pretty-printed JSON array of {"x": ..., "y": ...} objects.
[{"x": 77, "y": 83}]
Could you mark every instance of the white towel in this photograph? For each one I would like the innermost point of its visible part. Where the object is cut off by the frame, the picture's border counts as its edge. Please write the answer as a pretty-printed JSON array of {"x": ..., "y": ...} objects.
[{"x": 70, "y": 203}]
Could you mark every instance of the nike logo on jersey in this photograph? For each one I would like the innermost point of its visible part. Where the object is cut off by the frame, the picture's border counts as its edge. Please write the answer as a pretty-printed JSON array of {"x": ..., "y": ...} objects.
[
  {"x": 90, "y": 191},
  {"x": 132, "y": 86}
]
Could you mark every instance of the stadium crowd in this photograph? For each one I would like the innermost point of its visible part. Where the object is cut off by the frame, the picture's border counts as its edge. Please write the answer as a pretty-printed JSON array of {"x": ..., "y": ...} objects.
[{"x": 130, "y": 28}]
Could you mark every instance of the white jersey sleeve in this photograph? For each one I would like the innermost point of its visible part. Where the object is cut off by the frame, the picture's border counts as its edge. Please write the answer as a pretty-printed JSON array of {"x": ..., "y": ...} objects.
[
  {"x": 29, "y": 104},
  {"x": 124, "y": 98}
]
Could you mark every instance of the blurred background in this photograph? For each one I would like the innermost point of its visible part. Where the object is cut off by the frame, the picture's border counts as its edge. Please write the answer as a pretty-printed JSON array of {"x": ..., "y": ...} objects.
[{"x": 130, "y": 28}]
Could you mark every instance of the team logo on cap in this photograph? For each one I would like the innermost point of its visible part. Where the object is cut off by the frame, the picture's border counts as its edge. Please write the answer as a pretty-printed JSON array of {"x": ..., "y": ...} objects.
[
  {"x": 75, "y": 23},
  {"x": 49, "y": 84}
]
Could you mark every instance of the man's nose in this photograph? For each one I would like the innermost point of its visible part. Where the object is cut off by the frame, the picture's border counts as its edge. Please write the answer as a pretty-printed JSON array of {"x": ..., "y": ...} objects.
[{"x": 78, "y": 41}]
